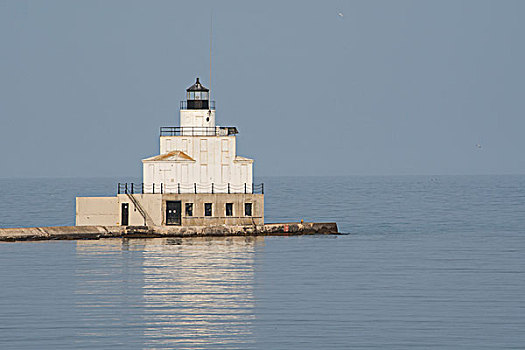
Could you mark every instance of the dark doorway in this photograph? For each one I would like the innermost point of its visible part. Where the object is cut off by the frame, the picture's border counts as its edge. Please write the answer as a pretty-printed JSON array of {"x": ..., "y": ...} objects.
[
  {"x": 125, "y": 214},
  {"x": 173, "y": 212}
]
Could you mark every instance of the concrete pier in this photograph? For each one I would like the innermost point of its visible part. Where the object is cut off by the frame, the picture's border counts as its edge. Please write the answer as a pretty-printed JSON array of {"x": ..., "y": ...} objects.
[{"x": 98, "y": 232}]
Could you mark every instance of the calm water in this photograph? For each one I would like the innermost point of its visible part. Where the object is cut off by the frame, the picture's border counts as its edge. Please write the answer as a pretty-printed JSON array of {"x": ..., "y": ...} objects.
[{"x": 430, "y": 262}]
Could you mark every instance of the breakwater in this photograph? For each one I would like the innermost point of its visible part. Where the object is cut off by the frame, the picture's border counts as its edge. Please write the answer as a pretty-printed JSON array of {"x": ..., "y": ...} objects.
[{"x": 99, "y": 232}]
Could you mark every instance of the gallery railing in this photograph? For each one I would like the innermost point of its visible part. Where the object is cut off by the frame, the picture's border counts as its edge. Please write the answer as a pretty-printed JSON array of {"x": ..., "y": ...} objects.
[
  {"x": 198, "y": 131},
  {"x": 141, "y": 188}
]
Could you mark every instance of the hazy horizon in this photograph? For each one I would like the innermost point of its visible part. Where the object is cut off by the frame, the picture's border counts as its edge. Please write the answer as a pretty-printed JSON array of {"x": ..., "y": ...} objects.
[{"x": 124, "y": 178}]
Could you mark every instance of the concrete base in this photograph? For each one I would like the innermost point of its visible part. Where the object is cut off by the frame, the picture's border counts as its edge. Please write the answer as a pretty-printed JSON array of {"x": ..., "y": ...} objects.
[
  {"x": 97, "y": 232},
  {"x": 107, "y": 211}
]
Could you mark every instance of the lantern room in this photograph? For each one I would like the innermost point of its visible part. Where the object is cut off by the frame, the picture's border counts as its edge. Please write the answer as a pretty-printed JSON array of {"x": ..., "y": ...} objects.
[{"x": 197, "y": 96}]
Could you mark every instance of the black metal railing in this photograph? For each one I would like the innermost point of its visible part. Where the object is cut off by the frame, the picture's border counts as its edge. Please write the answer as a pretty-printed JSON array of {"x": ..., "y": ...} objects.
[
  {"x": 192, "y": 104},
  {"x": 178, "y": 188},
  {"x": 198, "y": 131}
]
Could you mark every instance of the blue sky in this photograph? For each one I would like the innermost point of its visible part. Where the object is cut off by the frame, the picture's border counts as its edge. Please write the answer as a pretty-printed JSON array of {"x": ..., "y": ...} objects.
[{"x": 392, "y": 87}]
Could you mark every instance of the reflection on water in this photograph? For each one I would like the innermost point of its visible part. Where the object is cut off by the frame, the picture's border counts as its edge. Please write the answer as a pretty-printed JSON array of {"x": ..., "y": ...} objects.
[
  {"x": 186, "y": 294},
  {"x": 199, "y": 290}
]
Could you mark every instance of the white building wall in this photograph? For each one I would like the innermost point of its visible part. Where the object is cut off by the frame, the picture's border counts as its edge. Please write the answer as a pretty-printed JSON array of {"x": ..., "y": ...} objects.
[
  {"x": 214, "y": 159},
  {"x": 214, "y": 163},
  {"x": 97, "y": 211},
  {"x": 197, "y": 118},
  {"x": 191, "y": 145}
]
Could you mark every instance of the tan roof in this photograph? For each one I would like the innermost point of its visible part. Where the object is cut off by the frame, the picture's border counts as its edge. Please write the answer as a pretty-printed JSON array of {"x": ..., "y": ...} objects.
[
  {"x": 173, "y": 156},
  {"x": 243, "y": 159}
]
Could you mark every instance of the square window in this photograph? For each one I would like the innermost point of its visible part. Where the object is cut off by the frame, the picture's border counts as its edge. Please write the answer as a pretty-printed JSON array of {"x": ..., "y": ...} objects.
[
  {"x": 247, "y": 209},
  {"x": 189, "y": 209},
  {"x": 229, "y": 209},
  {"x": 207, "y": 209}
]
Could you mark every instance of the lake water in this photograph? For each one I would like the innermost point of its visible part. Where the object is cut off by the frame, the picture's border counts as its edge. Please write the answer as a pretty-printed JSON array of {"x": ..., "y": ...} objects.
[{"x": 428, "y": 262}]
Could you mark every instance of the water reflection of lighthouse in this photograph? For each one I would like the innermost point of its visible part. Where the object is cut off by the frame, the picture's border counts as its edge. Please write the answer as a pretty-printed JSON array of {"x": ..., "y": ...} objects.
[
  {"x": 195, "y": 293},
  {"x": 199, "y": 291}
]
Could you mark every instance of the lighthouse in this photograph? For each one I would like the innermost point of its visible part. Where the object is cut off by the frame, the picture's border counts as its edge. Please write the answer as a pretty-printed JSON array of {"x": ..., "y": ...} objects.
[
  {"x": 198, "y": 153},
  {"x": 196, "y": 185},
  {"x": 197, "y": 179}
]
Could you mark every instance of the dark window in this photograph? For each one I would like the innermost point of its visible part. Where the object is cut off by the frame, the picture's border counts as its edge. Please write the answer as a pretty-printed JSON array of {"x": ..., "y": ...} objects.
[
  {"x": 207, "y": 209},
  {"x": 189, "y": 209},
  {"x": 229, "y": 209},
  {"x": 247, "y": 209}
]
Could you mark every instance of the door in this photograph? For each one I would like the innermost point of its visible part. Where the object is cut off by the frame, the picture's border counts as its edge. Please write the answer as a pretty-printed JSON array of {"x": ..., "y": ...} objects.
[
  {"x": 125, "y": 214},
  {"x": 173, "y": 212}
]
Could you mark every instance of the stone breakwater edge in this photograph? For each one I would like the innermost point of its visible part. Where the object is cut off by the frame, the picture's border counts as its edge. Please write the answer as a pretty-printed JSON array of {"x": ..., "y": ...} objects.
[{"x": 100, "y": 232}]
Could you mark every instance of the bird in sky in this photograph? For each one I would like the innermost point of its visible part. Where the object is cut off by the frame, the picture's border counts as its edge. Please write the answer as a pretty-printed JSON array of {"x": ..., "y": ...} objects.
[
  {"x": 478, "y": 145},
  {"x": 340, "y": 14}
]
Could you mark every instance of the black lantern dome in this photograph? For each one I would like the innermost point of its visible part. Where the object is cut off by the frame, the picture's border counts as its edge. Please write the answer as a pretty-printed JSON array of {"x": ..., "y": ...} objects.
[{"x": 197, "y": 96}]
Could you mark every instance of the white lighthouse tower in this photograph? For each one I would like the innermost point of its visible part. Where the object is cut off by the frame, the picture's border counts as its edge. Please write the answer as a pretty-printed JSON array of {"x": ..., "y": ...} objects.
[
  {"x": 198, "y": 154},
  {"x": 197, "y": 179}
]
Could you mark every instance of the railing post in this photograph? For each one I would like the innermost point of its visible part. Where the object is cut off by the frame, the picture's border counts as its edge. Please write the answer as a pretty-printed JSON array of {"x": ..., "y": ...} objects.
[
  {"x": 126, "y": 188},
  {"x": 262, "y": 188},
  {"x": 195, "y": 186},
  {"x": 132, "y": 188},
  {"x": 212, "y": 188},
  {"x": 228, "y": 188},
  {"x": 252, "y": 189},
  {"x": 118, "y": 189},
  {"x": 154, "y": 188},
  {"x": 178, "y": 187},
  {"x": 161, "y": 188},
  {"x": 143, "y": 188},
  {"x": 245, "y": 188}
]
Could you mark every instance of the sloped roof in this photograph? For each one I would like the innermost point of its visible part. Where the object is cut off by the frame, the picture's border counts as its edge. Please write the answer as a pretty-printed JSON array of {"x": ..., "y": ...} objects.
[
  {"x": 242, "y": 159},
  {"x": 197, "y": 87},
  {"x": 173, "y": 156}
]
